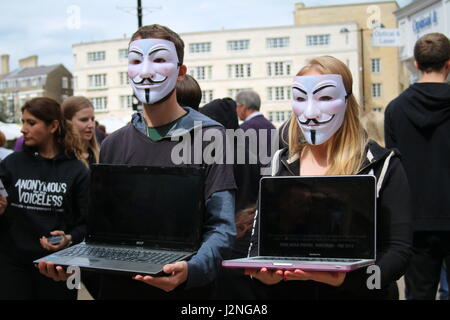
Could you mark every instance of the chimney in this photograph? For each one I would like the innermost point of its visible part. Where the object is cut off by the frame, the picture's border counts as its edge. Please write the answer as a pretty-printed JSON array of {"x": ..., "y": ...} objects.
[
  {"x": 29, "y": 62},
  {"x": 4, "y": 67}
]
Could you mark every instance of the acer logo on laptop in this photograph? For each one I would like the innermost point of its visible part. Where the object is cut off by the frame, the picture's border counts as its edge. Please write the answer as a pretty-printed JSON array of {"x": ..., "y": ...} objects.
[{"x": 139, "y": 243}]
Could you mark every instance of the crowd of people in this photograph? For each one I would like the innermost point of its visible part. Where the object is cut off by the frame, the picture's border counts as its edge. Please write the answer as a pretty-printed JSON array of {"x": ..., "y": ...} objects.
[{"x": 47, "y": 178}]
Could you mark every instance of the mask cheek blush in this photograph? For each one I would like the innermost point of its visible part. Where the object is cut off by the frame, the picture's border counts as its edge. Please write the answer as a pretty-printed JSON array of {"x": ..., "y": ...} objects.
[{"x": 332, "y": 107}]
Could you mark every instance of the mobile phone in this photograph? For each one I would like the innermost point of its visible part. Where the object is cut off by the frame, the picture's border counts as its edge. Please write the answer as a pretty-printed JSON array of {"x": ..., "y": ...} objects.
[{"x": 55, "y": 240}]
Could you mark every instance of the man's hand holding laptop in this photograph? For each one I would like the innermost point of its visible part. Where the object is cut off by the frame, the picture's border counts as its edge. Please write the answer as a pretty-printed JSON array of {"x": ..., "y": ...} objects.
[
  {"x": 178, "y": 273},
  {"x": 271, "y": 277}
]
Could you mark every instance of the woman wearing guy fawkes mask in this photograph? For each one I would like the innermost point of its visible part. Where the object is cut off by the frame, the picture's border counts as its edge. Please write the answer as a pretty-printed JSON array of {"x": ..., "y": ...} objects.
[{"x": 326, "y": 138}]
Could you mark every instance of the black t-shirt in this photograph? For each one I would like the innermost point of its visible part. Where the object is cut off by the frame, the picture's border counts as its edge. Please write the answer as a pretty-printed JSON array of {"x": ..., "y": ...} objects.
[{"x": 129, "y": 146}]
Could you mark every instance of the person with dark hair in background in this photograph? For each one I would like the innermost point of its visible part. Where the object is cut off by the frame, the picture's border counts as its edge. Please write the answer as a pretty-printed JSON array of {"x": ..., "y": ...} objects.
[
  {"x": 417, "y": 123},
  {"x": 100, "y": 133},
  {"x": 47, "y": 190},
  {"x": 189, "y": 93}
]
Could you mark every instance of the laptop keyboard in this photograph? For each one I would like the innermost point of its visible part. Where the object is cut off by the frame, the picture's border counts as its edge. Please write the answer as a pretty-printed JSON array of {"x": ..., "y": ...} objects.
[
  {"x": 129, "y": 255},
  {"x": 331, "y": 260}
]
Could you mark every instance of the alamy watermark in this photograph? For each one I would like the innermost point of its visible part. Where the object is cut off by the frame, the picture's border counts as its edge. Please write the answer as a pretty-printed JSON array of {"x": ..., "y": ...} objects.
[{"x": 234, "y": 147}]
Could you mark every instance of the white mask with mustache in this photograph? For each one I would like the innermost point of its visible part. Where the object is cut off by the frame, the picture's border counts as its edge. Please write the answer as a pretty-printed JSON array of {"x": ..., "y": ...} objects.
[
  {"x": 153, "y": 69},
  {"x": 319, "y": 103}
]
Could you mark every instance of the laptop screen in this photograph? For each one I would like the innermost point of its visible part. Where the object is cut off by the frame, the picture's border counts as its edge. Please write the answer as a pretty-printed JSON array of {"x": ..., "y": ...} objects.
[
  {"x": 329, "y": 217},
  {"x": 148, "y": 206}
]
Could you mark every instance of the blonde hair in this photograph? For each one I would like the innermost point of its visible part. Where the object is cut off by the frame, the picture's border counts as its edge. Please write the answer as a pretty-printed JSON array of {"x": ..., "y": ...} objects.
[
  {"x": 70, "y": 107},
  {"x": 346, "y": 148}
]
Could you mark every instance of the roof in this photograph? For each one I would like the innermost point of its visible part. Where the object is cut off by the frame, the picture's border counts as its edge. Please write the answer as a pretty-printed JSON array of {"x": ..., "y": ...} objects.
[{"x": 30, "y": 72}]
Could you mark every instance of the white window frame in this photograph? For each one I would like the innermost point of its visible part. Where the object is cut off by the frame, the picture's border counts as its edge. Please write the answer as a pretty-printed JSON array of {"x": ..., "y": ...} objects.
[
  {"x": 238, "y": 45},
  {"x": 318, "y": 40},
  {"x": 200, "y": 47},
  {"x": 96, "y": 56},
  {"x": 376, "y": 65},
  {"x": 239, "y": 71},
  {"x": 100, "y": 104},
  {"x": 207, "y": 96},
  {"x": 376, "y": 90},
  {"x": 279, "y": 42},
  {"x": 97, "y": 81}
]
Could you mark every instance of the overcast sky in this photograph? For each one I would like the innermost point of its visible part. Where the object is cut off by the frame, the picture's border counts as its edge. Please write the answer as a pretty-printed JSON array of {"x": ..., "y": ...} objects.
[{"x": 48, "y": 28}]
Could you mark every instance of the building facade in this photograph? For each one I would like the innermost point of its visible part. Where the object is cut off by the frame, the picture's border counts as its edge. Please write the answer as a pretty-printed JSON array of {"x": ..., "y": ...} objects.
[
  {"x": 381, "y": 72},
  {"x": 224, "y": 63},
  {"x": 415, "y": 20},
  {"x": 31, "y": 81}
]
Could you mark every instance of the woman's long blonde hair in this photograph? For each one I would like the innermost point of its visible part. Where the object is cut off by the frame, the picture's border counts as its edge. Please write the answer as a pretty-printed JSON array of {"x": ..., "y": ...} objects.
[
  {"x": 346, "y": 147},
  {"x": 70, "y": 107}
]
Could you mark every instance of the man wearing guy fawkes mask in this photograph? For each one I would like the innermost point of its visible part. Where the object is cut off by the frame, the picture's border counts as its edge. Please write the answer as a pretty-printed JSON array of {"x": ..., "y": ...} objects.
[{"x": 155, "y": 64}]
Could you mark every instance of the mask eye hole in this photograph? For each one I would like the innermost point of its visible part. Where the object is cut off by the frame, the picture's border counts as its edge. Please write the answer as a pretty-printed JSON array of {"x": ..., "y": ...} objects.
[
  {"x": 159, "y": 60},
  {"x": 135, "y": 61},
  {"x": 300, "y": 99},
  {"x": 325, "y": 98}
]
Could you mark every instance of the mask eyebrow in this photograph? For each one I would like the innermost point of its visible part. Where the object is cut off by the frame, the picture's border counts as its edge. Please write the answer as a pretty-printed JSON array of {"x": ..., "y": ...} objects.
[
  {"x": 304, "y": 92},
  {"x": 135, "y": 51},
  {"x": 321, "y": 88},
  {"x": 157, "y": 50}
]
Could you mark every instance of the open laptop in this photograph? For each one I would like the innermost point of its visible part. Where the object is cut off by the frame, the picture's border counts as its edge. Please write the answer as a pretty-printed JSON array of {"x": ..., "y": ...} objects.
[
  {"x": 140, "y": 219},
  {"x": 324, "y": 223}
]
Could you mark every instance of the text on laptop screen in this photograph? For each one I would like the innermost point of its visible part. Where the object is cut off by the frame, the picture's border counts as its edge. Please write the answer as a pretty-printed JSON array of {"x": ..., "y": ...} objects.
[
  {"x": 145, "y": 204},
  {"x": 331, "y": 217}
]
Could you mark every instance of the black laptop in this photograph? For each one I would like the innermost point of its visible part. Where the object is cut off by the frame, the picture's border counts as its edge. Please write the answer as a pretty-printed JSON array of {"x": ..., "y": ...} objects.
[{"x": 140, "y": 219}]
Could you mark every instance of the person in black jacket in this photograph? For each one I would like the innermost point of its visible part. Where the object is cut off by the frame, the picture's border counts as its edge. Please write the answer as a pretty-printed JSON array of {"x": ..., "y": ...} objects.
[
  {"x": 334, "y": 143},
  {"x": 417, "y": 123},
  {"x": 47, "y": 196}
]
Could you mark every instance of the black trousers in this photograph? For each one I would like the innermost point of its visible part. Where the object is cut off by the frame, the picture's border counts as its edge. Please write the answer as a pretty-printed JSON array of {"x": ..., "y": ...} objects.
[
  {"x": 431, "y": 249},
  {"x": 20, "y": 281},
  {"x": 117, "y": 287}
]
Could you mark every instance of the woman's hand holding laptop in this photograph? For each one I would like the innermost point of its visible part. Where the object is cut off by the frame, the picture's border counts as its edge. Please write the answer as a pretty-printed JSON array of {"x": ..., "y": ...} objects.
[
  {"x": 177, "y": 271},
  {"x": 270, "y": 277}
]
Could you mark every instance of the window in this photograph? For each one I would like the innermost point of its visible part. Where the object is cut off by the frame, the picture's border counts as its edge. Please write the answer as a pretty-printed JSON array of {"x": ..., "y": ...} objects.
[
  {"x": 376, "y": 90},
  {"x": 282, "y": 68},
  {"x": 124, "y": 79},
  {"x": 100, "y": 104},
  {"x": 279, "y": 93},
  {"x": 238, "y": 45},
  {"x": 97, "y": 81},
  {"x": 123, "y": 53},
  {"x": 96, "y": 56},
  {"x": 318, "y": 40},
  {"x": 65, "y": 83},
  {"x": 232, "y": 93},
  {"x": 200, "y": 47},
  {"x": 376, "y": 65},
  {"x": 75, "y": 82},
  {"x": 126, "y": 102},
  {"x": 207, "y": 96},
  {"x": 277, "y": 42},
  {"x": 239, "y": 71},
  {"x": 201, "y": 72},
  {"x": 279, "y": 116}
]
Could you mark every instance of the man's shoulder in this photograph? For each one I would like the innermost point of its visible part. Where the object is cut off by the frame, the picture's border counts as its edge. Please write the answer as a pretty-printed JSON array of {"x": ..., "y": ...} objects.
[
  {"x": 258, "y": 122},
  {"x": 118, "y": 134}
]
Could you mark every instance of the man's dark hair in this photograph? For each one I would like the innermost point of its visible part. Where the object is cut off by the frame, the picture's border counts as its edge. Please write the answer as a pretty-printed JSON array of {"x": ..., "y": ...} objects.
[
  {"x": 161, "y": 32},
  {"x": 189, "y": 93},
  {"x": 431, "y": 52}
]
